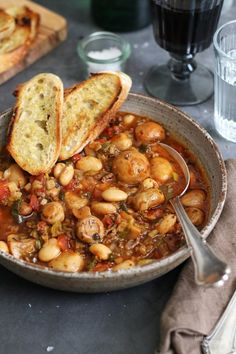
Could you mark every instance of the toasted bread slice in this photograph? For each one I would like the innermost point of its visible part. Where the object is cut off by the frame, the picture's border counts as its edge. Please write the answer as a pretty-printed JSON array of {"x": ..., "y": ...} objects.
[
  {"x": 7, "y": 24},
  {"x": 34, "y": 137},
  {"x": 88, "y": 107},
  {"x": 15, "y": 47}
]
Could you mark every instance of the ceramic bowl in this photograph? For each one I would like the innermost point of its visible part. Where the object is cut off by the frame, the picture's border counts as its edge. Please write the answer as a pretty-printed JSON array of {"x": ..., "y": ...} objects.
[{"x": 200, "y": 143}]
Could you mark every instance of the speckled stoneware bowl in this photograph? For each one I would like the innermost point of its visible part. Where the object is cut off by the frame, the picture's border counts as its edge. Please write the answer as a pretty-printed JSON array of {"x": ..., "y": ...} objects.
[{"x": 200, "y": 143}]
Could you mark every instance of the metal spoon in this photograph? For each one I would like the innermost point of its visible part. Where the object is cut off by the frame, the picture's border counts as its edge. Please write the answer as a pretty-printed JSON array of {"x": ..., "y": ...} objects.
[{"x": 209, "y": 269}]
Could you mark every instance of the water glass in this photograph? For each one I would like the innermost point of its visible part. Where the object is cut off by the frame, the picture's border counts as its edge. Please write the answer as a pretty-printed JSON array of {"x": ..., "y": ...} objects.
[{"x": 225, "y": 80}]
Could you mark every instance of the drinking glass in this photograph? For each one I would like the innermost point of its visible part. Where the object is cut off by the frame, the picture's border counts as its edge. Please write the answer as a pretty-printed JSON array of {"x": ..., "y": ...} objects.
[
  {"x": 225, "y": 80},
  {"x": 183, "y": 28}
]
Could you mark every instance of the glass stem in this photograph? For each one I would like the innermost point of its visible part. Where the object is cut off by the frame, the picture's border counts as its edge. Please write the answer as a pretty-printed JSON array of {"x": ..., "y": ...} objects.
[{"x": 181, "y": 66}]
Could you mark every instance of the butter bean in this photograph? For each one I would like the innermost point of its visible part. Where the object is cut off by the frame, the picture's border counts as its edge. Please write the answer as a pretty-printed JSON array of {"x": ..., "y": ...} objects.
[
  {"x": 124, "y": 265},
  {"x": 89, "y": 163},
  {"x": 101, "y": 251},
  {"x": 4, "y": 246},
  {"x": 114, "y": 195},
  {"x": 103, "y": 208},
  {"x": 49, "y": 251},
  {"x": 68, "y": 261}
]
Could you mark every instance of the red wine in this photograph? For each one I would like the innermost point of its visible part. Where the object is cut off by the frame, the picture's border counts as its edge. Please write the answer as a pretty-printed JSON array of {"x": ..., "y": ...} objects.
[{"x": 184, "y": 30}]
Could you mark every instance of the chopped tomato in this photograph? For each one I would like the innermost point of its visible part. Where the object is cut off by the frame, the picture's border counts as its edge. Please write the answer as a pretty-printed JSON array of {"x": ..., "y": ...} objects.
[
  {"x": 71, "y": 186},
  {"x": 4, "y": 191},
  {"x": 101, "y": 141},
  {"x": 102, "y": 267},
  {"x": 107, "y": 220},
  {"x": 63, "y": 242},
  {"x": 42, "y": 226},
  {"x": 40, "y": 178},
  {"x": 76, "y": 158},
  {"x": 110, "y": 131},
  {"x": 34, "y": 203}
]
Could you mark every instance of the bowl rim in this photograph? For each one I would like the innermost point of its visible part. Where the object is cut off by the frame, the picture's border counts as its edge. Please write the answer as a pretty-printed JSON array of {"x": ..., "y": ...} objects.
[{"x": 181, "y": 254}]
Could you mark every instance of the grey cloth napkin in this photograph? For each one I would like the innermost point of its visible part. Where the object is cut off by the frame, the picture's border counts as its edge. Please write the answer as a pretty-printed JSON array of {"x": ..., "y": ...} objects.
[{"x": 193, "y": 311}]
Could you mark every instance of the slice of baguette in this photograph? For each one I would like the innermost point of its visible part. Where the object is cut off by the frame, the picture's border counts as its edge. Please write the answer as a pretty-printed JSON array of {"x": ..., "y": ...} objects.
[
  {"x": 34, "y": 137},
  {"x": 15, "y": 47},
  {"x": 88, "y": 107},
  {"x": 7, "y": 24}
]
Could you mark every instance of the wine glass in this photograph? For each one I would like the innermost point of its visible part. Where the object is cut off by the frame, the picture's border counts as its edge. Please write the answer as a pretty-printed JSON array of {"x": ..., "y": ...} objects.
[{"x": 183, "y": 28}]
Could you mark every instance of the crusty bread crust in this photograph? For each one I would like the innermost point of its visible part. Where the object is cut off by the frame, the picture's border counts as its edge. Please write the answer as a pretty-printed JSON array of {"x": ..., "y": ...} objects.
[
  {"x": 15, "y": 47},
  {"x": 7, "y": 24},
  {"x": 34, "y": 136},
  {"x": 85, "y": 126}
]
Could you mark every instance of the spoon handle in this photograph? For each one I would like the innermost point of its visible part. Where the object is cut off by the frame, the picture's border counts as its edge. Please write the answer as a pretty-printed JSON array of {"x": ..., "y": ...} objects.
[{"x": 209, "y": 269}]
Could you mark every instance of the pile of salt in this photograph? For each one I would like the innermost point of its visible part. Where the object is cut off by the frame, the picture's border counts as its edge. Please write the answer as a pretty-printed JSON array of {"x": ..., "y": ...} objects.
[{"x": 104, "y": 56}]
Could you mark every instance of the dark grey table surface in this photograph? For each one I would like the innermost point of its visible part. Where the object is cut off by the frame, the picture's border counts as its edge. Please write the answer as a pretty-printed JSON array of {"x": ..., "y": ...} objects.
[{"x": 35, "y": 320}]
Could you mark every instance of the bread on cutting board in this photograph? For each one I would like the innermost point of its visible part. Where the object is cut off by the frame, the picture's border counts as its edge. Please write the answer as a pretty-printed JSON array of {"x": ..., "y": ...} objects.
[
  {"x": 34, "y": 137},
  {"x": 14, "y": 47},
  {"x": 88, "y": 107},
  {"x": 7, "y": 24}
]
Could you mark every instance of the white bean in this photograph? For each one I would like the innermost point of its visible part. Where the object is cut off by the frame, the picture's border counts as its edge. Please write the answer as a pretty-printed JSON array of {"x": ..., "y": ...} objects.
[
  {"x": 194, "y": 198},
  {"x": 161, "y": 169},
  {"x": 66, "y": 175},
  {"x": 15, "y": 174},
  {"x": 124, "y": 265},
  {"x": 166, "y": 224},
  {"x": 68, "y": 261},
  {"x": 59, "y": 167},
  {"x": 49, "y": 251},
  {"x": 74, "y": 201},
  {"x": 122, "y": 141},
  {"x": 114, "y": 195},
  {"x": 102, "y": 208},
  {"x": 195, "y": 215},
  {"x": 128, "y": 119},
  {"x": 101, "y": 251},
  {"x": 4, "y": 246},
  {"x": 89, "y": 163},
  {"x": 53, "y": 212}
]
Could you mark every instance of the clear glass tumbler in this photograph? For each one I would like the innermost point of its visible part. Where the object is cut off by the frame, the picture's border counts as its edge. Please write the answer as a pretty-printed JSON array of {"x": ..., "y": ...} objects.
[{"x": 225, "y": 80}]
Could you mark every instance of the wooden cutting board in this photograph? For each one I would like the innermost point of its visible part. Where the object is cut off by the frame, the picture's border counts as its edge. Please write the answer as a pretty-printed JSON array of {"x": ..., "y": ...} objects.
[{"x": 52, "y": 31}]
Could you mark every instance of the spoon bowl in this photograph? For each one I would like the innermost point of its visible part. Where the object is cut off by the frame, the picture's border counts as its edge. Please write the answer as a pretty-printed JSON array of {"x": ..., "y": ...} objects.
[{"x": 209, "y": 269}]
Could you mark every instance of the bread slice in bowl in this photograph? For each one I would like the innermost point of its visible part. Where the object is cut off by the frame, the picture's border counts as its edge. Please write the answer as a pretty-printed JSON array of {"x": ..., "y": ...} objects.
[
  {"x": 34, "y": 137},
  {"x": 88, "y": 107}
]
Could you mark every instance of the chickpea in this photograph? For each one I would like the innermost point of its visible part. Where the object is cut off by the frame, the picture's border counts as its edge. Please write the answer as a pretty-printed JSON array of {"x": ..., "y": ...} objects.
[
  {"x": 66, "y": 175},
  {"x": 15, "y": 174},
  {"x": 49, "y": 251},
  {"x": 131, "y": 166},
  {"x": 82, "y": 212},
  {"x": 102, "y": 208},
  {"x": 68, "y": 261},
  {"x": 161, "y": 169},
  {"x": 114, "y": 195},
  {"x": 195, "y": 215},
  {"x": 149, "y": 132},
  {"x": 74, "y": 201},
  {"x": 122, "y": 141},
  {"x": 167, "y": 224},
  {"x": 89, "y": 163},
  {"x": 101, "y": 251},
  {"x": 53, "y": 212},
  {"x": 149, "y": 198},
  {"x": 128, "y": 119},
  {"x": 194, "y": 198},
  {"x": 59, "y": 167},
  {"x": 36, "y": 185},
  {"x": 124, "y": 265},
  {"x": 25, "y": 209},
  {"x": 4, "y": 247},
  {"x": 90, "y": 228}
]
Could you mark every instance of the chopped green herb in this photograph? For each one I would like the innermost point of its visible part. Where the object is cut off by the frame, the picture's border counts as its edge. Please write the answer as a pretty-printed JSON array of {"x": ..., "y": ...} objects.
[
  {"x": 124, "y": 207},
  {"x": 38, "y": 244},
  {"x": 62, "y": 196},
  {"x": 175, "y": 176},
  {"x": 123, "y": 234},
  {"x": 168, "y": 191}
]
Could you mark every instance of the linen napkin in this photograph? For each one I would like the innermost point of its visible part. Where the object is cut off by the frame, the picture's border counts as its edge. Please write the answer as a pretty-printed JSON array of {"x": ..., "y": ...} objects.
[{"x": 193, "y": 311}]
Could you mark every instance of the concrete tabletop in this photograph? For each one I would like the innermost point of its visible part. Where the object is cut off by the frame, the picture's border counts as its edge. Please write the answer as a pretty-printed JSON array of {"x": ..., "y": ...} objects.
[{"x": 35, "y": 320}]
